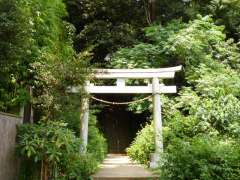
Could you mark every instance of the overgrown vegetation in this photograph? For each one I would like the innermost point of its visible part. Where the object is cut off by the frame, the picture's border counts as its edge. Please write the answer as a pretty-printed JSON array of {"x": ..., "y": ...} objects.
[
  {"x": 42, "y": 54},
  {"x": 103, "y": 26},
  {"x": 201, "y": 125},
  {"x": 143, "y": 145},
  {"x": 37, "y": 51},
  {"x": 55, "y": 153}
]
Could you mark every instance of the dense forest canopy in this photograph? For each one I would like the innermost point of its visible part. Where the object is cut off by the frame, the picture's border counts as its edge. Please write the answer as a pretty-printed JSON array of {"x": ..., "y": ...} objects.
[{"x": 47, "y": 46}]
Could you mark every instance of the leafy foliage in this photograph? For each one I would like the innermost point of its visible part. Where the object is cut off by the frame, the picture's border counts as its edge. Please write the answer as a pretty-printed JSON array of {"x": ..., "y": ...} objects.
[
  {"x": 47, "y": 62},
  {"x": 55, "y": 65},
  {"x": 224, "y": 12},
  {"x": 227, "y": 13},
  {"x": 97, "y": 145},
  {"x": 202, "y": 158},
  {"x": 201, "y": 125},
  {"x": 56, "y": 148},
  {"x": 143, "y": 145},
  {"x": 203, "y": 121},
  {"x": 13, "y": 41},
  {"x": 38, "y": 53},
  {"x": 102, "y": 25}
]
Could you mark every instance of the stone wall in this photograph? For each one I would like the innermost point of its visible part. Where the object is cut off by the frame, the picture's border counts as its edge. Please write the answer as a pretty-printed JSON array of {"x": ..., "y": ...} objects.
[{"x": 9, "y": 164}]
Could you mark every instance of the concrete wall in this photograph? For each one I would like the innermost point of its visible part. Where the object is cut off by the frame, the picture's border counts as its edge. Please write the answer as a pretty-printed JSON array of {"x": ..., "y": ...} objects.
[{"x": 9, "y": 164}]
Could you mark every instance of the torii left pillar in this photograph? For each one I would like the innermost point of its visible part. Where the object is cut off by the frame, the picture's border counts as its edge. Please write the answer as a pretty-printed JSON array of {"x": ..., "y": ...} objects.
[{"x": 84, "y": 123}]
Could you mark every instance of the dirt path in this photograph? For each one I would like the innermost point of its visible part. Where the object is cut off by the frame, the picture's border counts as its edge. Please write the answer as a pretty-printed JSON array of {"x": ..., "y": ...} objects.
[{"x": 117, "y": 166}]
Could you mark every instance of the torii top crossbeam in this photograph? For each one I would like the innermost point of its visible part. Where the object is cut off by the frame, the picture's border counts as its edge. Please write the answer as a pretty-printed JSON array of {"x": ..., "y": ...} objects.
[
  {"x": 122, "y": 74},
  {"x": 164, "y": 73}
]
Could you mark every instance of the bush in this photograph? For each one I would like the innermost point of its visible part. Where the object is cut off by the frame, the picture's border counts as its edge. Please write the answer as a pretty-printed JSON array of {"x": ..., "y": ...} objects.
[
  {"x": 51, "y": 150},
  {"x": 97, "y": 145},
  {"x": 79, "y": 167},
  {"x": 142, "y": 146},
  {"x": 202, "y": 158}
]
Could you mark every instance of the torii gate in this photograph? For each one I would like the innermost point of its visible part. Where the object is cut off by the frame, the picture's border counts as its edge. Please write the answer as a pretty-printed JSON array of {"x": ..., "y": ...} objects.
[{"x": 121, "y": 75}]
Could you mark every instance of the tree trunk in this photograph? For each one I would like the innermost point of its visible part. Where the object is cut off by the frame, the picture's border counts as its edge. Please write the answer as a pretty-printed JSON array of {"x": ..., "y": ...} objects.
[
  {"x": 152, "y": 9},
  {"x": 28, "y": 111},
  {"x": 45, "y": 165}
]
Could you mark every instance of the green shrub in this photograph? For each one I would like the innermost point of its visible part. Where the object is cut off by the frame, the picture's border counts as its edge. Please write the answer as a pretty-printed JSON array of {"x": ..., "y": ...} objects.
[
  {"x": 97, "y": 145},
  {"x": 142, "y": 146},
  {"x": 79, "y": 167},
  {"x": 51, "y": 149},
  {"x": 202, "y": 158},
  {"x": 207, "y": 105}
]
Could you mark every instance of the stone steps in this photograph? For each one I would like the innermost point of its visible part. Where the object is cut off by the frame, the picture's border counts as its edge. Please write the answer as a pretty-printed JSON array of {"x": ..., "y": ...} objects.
[
  {"x": 124, "y": 178},
  {"x": 120, "y": 167}
]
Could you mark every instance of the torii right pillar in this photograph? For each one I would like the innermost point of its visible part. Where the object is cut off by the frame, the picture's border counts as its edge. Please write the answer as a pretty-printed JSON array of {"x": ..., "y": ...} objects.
[{"x": 157, "y": 122}]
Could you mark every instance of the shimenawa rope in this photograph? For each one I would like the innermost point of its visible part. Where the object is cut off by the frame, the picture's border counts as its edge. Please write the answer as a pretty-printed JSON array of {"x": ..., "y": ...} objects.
[{"x": 120, "y": 103}]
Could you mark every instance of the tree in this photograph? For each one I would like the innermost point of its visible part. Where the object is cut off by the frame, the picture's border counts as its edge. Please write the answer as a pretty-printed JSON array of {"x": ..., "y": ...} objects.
[
  {"x": 106, "y": 25},
  {"x": 205, "y": 113},
  {"x": 13, "y": 42}
]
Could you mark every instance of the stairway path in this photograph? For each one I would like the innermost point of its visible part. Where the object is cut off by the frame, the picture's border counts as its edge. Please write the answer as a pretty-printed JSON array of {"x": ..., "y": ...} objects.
[{"x": 120, "y": 167}]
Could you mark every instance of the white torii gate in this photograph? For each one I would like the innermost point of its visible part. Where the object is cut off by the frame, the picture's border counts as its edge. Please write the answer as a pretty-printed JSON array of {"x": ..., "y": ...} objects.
[{"x": 121, "y": 75}]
